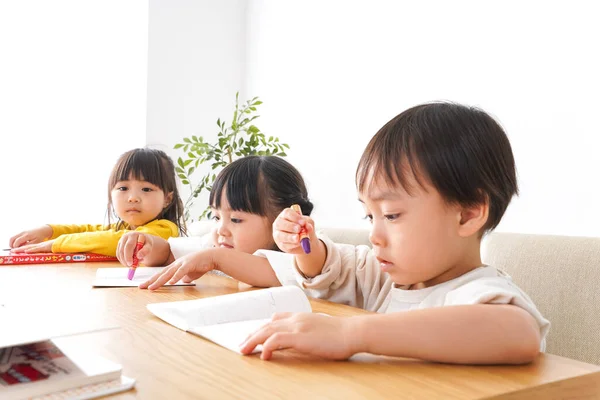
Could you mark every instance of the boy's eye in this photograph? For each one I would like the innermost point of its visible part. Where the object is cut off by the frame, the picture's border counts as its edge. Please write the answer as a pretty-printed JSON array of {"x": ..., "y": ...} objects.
[
  {"x": 147, "y": 189},
  {"x": 392, "y": 217},
  {"x": 215, "y": 218},
  {"x": 236, "y": 220},
  {"x": 368, "y": 217},
  {"x": 121, "y": 188}
]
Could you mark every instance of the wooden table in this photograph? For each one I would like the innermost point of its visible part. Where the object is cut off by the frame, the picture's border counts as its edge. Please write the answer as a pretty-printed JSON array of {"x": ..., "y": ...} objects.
[{"x": 170, "y": 364}]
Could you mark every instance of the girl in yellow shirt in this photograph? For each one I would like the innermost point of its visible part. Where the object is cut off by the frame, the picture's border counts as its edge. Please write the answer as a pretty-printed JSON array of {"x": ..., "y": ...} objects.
[{"x": 142, "y": 194}]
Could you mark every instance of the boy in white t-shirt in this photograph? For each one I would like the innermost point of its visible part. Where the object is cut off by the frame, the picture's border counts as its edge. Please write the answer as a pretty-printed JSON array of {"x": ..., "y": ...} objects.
[{"x": 432, "y": 181}]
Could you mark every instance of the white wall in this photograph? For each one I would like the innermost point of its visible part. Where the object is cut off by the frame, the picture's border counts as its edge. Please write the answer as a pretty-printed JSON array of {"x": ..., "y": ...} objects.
[
  {"x": 72, "y": 99},
  {"x": 196, "y": 64},
  {"x": 331, "y": 73}
]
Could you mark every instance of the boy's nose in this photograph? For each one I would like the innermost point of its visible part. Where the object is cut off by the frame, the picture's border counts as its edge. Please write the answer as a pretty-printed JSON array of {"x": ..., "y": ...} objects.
[
  {"x": 133, "y": 198},
  {"x": 376, "y": 237}
]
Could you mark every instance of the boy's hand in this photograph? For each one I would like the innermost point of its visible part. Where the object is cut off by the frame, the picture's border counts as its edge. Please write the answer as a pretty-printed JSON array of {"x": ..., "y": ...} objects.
[
  {"x": 315, "y": 334},
  {"x": 32, "y": 236},
  {"x": 287, "y": 228},
  {"x": 127, "y": 244},
  {"x": 187, "y": 268},
  {"x": 44, "y": 247}
]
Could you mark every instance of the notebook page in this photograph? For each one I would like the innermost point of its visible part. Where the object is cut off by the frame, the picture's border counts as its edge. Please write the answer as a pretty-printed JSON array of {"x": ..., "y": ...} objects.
[
  {"x": 232, "y": 334},
  {"x": 117, "y": 277},
  {"x": 256, "y": 304}
]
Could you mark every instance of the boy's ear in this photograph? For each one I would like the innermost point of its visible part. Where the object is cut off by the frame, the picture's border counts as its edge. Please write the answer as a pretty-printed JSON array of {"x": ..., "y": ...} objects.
[
  {"x": 473, "y": 219},
  {"x": 168, "y": 199}
]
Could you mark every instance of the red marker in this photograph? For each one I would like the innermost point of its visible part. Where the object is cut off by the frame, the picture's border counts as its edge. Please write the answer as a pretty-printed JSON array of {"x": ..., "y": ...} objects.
[
  {"x": 304, "y": 239},
  {"x": 135, "y": 263}
]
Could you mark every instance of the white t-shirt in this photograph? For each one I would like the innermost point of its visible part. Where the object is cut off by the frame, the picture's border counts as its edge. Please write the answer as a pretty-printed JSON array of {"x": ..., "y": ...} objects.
[{"x": 352, "y": 275}]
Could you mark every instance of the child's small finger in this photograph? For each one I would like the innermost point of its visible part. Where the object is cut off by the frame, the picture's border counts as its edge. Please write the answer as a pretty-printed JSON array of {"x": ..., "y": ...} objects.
[
  {"x": 151, "y": 280},
  {"x": 180, "y": 273},
  {"x": 18, "y": 241},
  {"x": 294, "y": 216},
  {"x": 129, "y": 248},
  {"x": 161, "y": 280},
  {"x": 143, "y": 252},
  {"x": 277, "y": 341},
  {"x": 281, "y": 315},
  {"x": 286, "y": 226},
  {"x": 287, "y": 238}
]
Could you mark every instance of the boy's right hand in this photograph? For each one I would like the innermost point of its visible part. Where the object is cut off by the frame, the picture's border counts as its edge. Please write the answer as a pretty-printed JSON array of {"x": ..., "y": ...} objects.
[
  {"x": 286, "y": 231},
  {"x": 32, "y": 236}
]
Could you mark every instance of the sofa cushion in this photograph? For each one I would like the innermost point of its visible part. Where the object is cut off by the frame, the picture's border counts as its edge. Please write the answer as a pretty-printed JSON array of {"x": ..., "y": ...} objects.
[{"x": 561, "y": 274}]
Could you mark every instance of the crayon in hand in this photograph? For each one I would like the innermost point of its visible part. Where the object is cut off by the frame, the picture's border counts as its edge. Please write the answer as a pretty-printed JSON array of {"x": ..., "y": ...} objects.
[
  {"x": 135, "y": 262},
  {"x": 304, "y": 239}
]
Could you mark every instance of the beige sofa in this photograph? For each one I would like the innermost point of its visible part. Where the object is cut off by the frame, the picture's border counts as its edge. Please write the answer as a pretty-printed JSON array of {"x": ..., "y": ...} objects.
[{"x": 560, "y": 273}]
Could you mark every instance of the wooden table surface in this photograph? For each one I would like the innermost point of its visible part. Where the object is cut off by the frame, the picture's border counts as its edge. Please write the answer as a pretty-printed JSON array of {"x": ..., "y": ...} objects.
[{"x": 171, "y": 364}]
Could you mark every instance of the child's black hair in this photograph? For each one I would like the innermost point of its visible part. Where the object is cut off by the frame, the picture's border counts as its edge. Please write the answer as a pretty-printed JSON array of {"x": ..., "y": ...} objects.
[
  {"x": 462, "y": 151},
  {"x": 261, "y": 185}
]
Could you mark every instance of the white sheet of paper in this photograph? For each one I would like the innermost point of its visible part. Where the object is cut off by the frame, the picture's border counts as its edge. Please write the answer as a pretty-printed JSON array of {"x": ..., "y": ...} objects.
[
  {"x": 242, "y": 306},
  {"x": 232, "y": 334},
  {"x": 117, "y": 277}
]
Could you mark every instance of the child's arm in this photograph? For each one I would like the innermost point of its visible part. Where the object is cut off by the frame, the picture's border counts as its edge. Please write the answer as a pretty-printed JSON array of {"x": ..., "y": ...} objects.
[
  {"x": 253, "y": 270},
  {"x": 32, "y": 236},
  {"x": 105, "y": 241},
  {"x": 467, "y": 334},
  {"x": 155, "y": 251},
  {"x": 286, "y": 229}
]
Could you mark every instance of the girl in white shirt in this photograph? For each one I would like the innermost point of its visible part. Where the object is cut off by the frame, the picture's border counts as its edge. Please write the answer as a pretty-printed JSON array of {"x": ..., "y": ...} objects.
[{"x": 245, "y": 199}]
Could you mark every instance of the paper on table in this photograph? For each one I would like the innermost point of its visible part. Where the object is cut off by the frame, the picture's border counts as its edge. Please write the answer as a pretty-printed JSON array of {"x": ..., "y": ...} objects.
[
  {"x": 232, "y": 334},
  {"x": 228, "y": 319},
  {"x": 117, "y": 277}
]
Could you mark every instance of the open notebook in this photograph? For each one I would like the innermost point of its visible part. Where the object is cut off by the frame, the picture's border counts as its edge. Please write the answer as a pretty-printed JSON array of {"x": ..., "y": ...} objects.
[
  {"x": 38, "y": 363},
  {"x": 117, "y": 277},
  {"x": 227, "y": 320}
]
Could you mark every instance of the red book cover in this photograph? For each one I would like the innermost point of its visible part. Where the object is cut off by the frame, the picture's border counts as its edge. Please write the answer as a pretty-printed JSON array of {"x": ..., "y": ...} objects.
[{"x": 8, "y": 258}]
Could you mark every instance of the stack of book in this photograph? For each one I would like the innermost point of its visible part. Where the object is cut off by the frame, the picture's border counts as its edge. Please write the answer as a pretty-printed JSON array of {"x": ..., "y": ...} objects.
[
  {"x": 9, "y": 258},
  {"x": 46, "y": 362}
]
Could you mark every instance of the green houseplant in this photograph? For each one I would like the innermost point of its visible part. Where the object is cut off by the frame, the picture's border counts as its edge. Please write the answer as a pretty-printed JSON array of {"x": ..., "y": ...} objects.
[{"x": 239, "y": 139}]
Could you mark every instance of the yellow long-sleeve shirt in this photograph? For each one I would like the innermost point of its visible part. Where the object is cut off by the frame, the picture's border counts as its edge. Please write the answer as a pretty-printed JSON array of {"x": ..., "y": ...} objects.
[{"x": 96, "y": 239}]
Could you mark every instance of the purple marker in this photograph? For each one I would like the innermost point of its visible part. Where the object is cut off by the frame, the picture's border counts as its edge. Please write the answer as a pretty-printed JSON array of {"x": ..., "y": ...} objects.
[{"x": 304, "y": 239}]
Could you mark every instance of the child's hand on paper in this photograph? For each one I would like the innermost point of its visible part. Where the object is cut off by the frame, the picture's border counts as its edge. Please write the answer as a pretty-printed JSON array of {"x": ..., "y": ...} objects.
[
  {"x": 32, "y": 236},
  {"x": 44, "y": 247},
  {"x": 286, "y": 231},
  {"x": 315, "y": 334},
  {"x": 187, "y": 268}
]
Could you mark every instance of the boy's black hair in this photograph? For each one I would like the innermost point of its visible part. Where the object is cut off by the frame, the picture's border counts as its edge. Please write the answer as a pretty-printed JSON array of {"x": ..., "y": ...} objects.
[
  {"x": 462, "y": 151},
  {"x": 261, "y": 185},
  {"x": 153, "y": 166}
]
